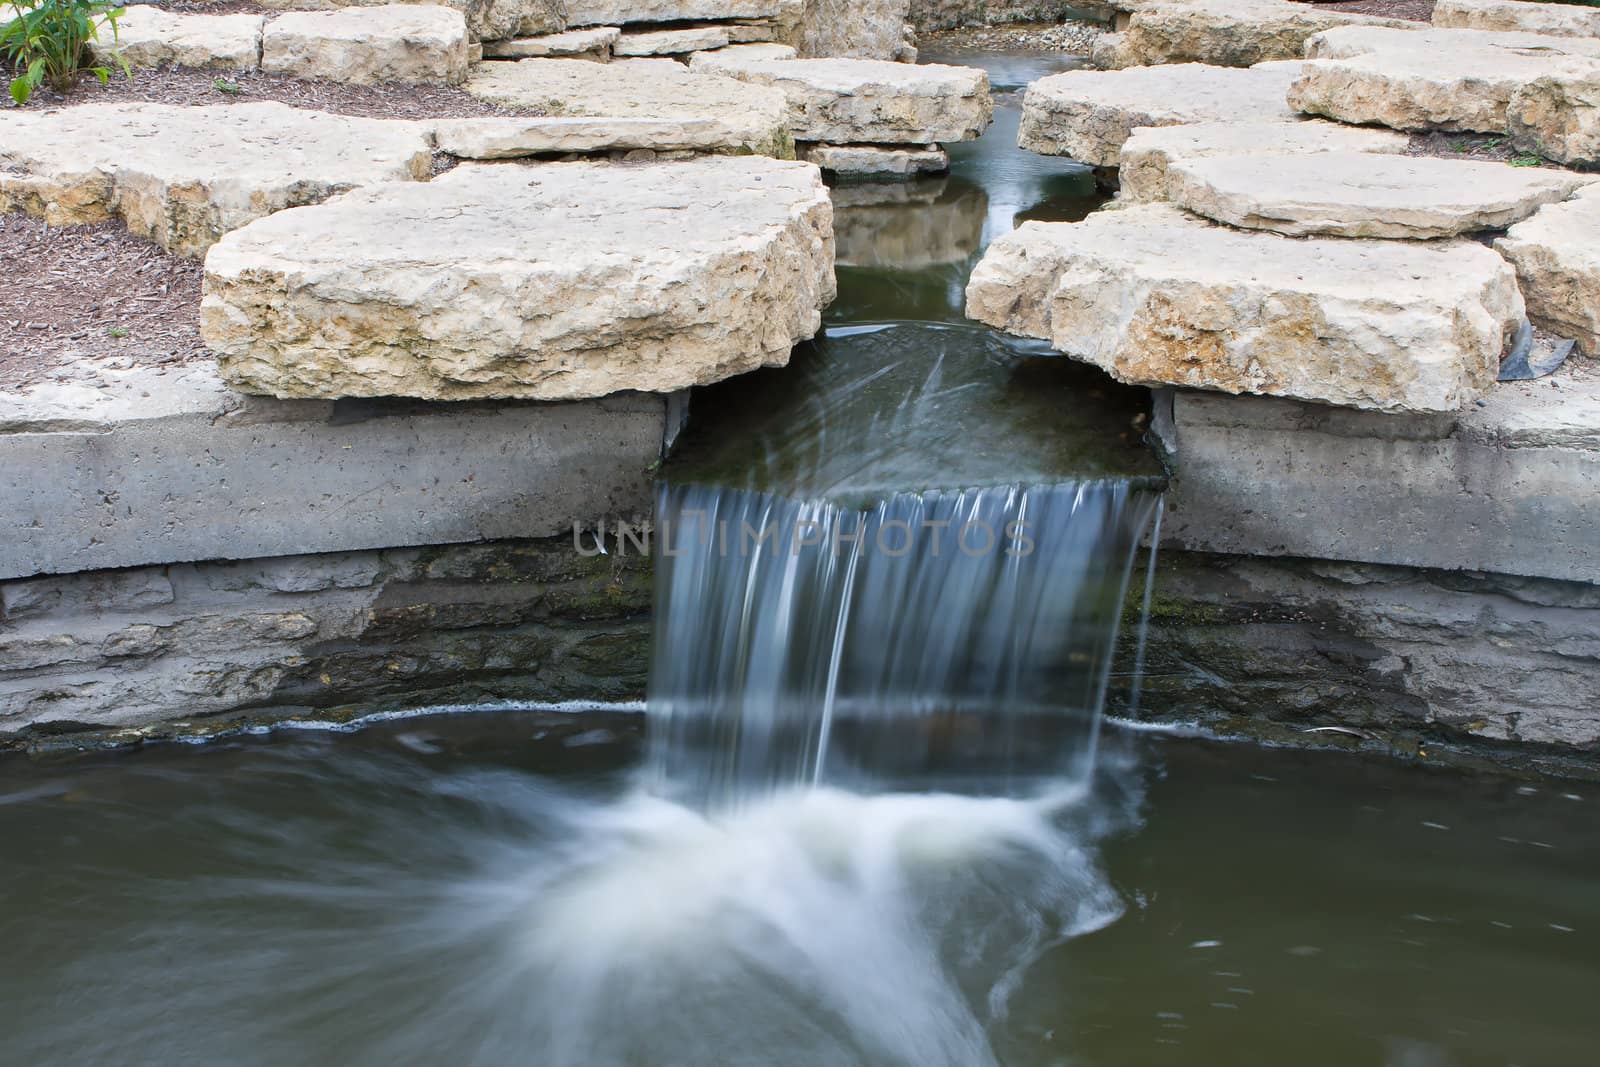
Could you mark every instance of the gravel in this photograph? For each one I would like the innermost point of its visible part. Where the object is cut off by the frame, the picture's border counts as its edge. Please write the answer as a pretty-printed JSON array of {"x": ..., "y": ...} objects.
[
  {"x": 187, "y": 87},
  {"x": 1416, "y": 10},
  {"x": 1072, "y": 37},
  {"x": 92, "y": 290}
]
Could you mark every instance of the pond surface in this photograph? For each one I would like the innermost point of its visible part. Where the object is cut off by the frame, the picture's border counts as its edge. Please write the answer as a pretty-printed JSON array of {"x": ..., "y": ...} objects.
[{"x": 500, "y": 890}]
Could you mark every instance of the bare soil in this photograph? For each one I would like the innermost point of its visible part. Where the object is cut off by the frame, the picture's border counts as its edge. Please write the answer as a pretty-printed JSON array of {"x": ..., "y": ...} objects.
[
  {"x": 91, "y": 291},
  {"x": 1416, "y": 10},
  {"x": 1481, "y": 146},
  {"x": 188, "y": 87},
  {"x": 215, "y": 7}
]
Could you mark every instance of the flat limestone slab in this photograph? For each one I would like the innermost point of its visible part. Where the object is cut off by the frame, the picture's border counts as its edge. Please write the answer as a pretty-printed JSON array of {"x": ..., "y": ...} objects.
[
  {"x": 1352, "y": 194},
  {"x": 620, "y": 12},
  {"x": 1148, "y": 155},
  {"x": 516, "y": 138},
  {"x": 768, "y": 50},
  {"x": 1542, "y": 90},
  {"x": 1560, "y": 20},
  {"x": 721, "y": 111},
  {"x": 413, "y": 43},
  {"x": 201, "y": 472},
  {"x": 1157, "y": 297},
  {"x": 489, "y": 20},
  {"x": 872, "y": 101},
  {"x": 184, "y": 176},
  {"x": 864, "y": 161},
  {"x": 573, "y": 44},
  {"x": 1087, "y": 115},
  {"x": 1505, "y": 487},
  {"x": 1558, "y": 266},
  {"x": 149, "y": 37},
  {"x": 558, "y": 281},
  {"x": 670, "y": 42},
  {"x": 1226, "y": 33}
]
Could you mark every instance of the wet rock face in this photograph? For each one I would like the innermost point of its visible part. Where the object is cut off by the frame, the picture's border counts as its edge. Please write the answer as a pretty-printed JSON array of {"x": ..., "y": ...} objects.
[
  {"x": 1558, "y": 267},
  {"x": 495, "y": 280},
  {"x": 324, "y": 636},
  {"x": 1541, "y": 90},
  {"x": 1269, "y": 647},
  {"x": 414, "y": 43},
  {"x": 1351, "y": 194},
  {"x": 1156, "y": 297},
  {"x": 865, "y": 101},
  {"x": 184, "y": 176},
  {"x": 1088, "y": 115},
  {"x": 1227, "y": 33}
]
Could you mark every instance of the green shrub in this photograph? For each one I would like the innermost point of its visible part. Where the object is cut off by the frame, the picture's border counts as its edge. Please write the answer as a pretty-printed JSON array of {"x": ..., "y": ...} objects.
[{"x": 47, "y": 42}]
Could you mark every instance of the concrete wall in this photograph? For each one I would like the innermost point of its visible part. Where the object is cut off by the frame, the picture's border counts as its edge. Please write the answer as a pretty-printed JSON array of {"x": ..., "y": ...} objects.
[
  {"x": 124, "y": 467},
  {"x": 1508, "y": 487}
]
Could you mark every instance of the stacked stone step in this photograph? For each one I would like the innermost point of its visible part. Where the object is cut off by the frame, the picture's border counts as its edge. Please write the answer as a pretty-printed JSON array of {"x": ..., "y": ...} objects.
[
  {"x": 1228, "y": 33},
  {"x": 1276, "y": 238},
  {"x": 872, "y": 29},
  {"x": 435, "y": 40},
  {"x": 861, "y": 117},
  {"x": 396, "y": 42}
]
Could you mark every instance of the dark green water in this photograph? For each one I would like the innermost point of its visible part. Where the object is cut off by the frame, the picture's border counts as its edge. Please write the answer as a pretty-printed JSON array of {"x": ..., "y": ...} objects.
[{"x": 496, "y": 890}]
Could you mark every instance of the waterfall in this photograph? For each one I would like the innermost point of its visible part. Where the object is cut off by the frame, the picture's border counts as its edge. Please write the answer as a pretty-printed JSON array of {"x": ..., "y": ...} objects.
[{"x": 937, "y": 636}]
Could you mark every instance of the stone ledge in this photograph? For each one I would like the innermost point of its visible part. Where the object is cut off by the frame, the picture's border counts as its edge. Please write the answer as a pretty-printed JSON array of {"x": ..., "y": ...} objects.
[
  {"x": 1224, "y": 33},
  {"x": 1151, "y": 152},
  {"x": 1155, "y": 296},
  {"x": 415, "y": 43},
  {"x": 1558, "y": 267},
  {"x": 870, "y": 101},
  {"x": 147, "y": 36},
  {"x": 1539, "y": 90},
  {"x": 1087, "y": 115},
  {"x": 573, "y": 44},
  {"x": 1561, "y": 20},
  {"x": 1511, "y": 487},
  {"x": 184, "y": 176},
  {"x": 749, "y": 117},
  {"x": 121, "y": 467},
  {"x": 558, "y": 281}
]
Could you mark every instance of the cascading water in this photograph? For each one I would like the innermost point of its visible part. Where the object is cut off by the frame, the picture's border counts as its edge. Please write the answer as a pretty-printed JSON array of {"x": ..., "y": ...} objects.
[
  {"x": 802, "y": 642},
  {"x": 873, "y": 715}
]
